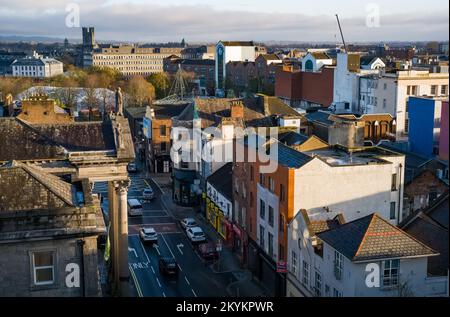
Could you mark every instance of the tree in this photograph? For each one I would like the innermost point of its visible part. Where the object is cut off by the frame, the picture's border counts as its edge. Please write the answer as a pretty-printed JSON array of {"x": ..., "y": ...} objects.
[
  {"x": 139, "y": 92},
  {"x": 90, "y": 89},
  {"x": 161, "y": 83}
]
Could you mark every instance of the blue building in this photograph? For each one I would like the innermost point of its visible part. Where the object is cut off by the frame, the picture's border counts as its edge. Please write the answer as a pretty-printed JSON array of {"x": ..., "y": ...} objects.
[{"x": 424, "y": 125}]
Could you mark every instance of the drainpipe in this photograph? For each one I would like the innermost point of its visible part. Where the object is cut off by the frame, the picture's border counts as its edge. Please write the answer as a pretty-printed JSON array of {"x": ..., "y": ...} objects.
[
  {"x": 80, "y": 244},
  {"x": 399, "y": 193}
]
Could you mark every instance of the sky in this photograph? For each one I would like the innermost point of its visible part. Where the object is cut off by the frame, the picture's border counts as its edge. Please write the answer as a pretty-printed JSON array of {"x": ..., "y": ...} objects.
[{"x": 213, "y": 20}]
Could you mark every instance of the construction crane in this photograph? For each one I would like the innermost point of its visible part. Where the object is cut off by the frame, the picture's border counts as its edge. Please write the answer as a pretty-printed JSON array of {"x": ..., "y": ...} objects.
[{"x": 342, "y": 34}]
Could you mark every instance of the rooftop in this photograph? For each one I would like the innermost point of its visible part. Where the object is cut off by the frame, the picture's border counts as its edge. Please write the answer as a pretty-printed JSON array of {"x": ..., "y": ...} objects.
[
  {"x": 221, "y": 180},
  {"x": 373, "y": 238}
]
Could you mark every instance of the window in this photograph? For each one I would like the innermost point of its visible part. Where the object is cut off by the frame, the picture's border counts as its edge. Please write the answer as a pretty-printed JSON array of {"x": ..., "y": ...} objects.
[
  {"x": 432, "y": 195},
  {"x": 393, "y": 209},
  {"x": 261, "y": 179},
  {"x": 384, "y": 86},
  {"x": 262, "y": 209},
  {"x": 318, "y": 285},
  {"x": 347, "y": 106},
  {"x": 281, "y": 252},
  {"x": 271, "y": 216},
  {"x": 394, "y": 183},
  {"x": 391, "y": 270},
  {"x": 384, "y": 103},
  {"x": 251, "y": 199},
  {"x": 282, "y": 193},
  {"x": 162, "y": 130},
  {"x": 433, "y": 90},
  {"x": 261, "y": 236},
  {"x": 294, "y": 262},
  {"x": 444, "y": 89},
  {"x": 251, "y": 173},
  {"x": 305, "y": 278},
  {"x": 43, "y": 267},
  {"x": 338, "y": 265},
  {"x": 163, "y": 146},
  {"x": 270, "y": 241},
  {"x": 271, "y": 185}
]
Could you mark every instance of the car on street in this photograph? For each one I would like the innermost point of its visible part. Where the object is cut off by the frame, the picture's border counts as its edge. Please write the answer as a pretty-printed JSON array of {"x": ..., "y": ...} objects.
[
  {"x": 132, "y": 168},
  {"x": 148, "y": 235},
  {"x": 148, "y": 194},
  {"x": 135, "y": 208},
  {"x": 188, "y": 223},
  {"x": 195, "y": 234},
  {"x": 168, "y": 266},
  {"x": 208, "y": 251}
]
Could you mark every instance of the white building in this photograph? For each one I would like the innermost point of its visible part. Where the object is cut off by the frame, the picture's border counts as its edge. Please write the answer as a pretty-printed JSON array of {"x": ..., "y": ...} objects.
[
  {"x": 347, "y": 80},
  {"x": 390, "y": 92},
  {"x": 368, "y": 257},
  {"x": 226, "y": 52},
  {"x": 37, "y": 67},
  {"x": 314, "y": 61}
]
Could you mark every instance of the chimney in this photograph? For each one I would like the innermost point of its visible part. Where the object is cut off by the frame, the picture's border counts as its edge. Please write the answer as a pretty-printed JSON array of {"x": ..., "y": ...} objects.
[{"x": 237, "y": 109}]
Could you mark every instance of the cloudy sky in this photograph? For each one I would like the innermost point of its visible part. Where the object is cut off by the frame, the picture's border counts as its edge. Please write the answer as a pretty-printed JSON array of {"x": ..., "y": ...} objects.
[{"x": 212, "y": 20}]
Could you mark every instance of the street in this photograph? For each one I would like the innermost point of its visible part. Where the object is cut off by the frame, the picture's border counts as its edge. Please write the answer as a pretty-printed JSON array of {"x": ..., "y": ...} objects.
[{"x": 195, "y": 279}]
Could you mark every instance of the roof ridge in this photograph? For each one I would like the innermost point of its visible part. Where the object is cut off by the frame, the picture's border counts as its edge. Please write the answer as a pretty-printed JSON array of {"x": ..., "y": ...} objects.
[
  {"x": 38, "y": 175},
  {"x": 407, "y": 234},
  {"x": 373, "y": 216}
]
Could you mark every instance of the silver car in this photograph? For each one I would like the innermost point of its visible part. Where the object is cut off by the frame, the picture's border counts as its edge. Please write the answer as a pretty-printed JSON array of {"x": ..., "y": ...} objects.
[
  {"x": 148, "y": 194},
  {"x": 148, "y": 235}
]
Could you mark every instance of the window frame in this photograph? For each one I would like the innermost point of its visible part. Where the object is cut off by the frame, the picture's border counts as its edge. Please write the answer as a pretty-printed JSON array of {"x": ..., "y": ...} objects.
[{"x": 35, "y": 268}]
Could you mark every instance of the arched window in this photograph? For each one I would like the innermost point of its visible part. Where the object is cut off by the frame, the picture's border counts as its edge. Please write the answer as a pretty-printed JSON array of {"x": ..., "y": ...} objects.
[{"x": 309, "y": 66}]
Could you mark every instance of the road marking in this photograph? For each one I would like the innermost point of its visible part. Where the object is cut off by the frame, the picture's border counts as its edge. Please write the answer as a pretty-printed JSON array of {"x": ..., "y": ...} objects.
[
  {"x": 145, "y": 252},
  {"x": 133, "y": 250},
  {"x": 180, "y": 267},
  {"x": 159, "y": 283},
  {"x": 136, "y": 282},
  {"x": 179, "y": 246},
  {"x": 193, "y": 292},
  {"x": 162, "y": 191},
  {"x": 153, "y": 270},
  {"x": 164, "y": 239},
  {"x": 155, "y": 246},
  {"x": 164, "y": 294},
  {"x": 187, "y": 281}
]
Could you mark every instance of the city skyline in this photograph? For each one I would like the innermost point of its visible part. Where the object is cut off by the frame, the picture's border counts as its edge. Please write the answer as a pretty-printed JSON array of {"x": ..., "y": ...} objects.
[{"x": 201, "y": 21}]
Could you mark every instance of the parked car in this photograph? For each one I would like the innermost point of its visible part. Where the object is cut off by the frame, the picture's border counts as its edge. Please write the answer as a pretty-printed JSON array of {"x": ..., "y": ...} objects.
[
  {"x": 168, "y": 266},
  {"x": 132, "y": 168},
  {"x": 148, "y": 235},
  {"x": 188, "y": 223},
  {"x": 208, "y": 251},
  {"x": 148, "y": 194},
  {"x": 196, "y": 234}
]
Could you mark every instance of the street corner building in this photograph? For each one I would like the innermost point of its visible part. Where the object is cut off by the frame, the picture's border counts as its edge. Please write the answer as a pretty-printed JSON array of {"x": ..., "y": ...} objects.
[{"x": 50, "y": 221}]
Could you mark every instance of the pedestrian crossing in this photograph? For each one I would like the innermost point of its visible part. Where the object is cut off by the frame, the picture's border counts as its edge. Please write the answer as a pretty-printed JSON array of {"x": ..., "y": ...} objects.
[{"x": 134, "y": 191}]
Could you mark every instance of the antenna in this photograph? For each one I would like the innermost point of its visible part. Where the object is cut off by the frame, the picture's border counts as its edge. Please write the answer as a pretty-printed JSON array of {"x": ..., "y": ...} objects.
[{"x": 342, "y": 34}]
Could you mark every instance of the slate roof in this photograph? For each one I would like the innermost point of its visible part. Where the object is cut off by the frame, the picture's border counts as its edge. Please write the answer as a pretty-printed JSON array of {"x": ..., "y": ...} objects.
[
  {"x": 212, "y": 110},
  {"x": 221, "y": 180},
  {"x": 29, "y": 62},
  {"x": 21, "y": 141},
  {"x": 320, "y": 117},
  {"x": 431, "y": 227},
  {"x": 23, "y": 187},
  {"x": 292, "y": 138},
  {"x": 367, "y": 60},
  {"x": 373, "y": 238},
  {"x": 136, "y": 112},
  {"x": 168, "y": 111}
]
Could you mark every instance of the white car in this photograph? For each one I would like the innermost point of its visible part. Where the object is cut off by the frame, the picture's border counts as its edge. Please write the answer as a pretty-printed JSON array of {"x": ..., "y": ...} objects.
[
  {"x": 148, "y": 235},
  {"x": 188, "y": 223},
  {"x": 196, "y": 234},
  {"x": 148, "y": 194}
]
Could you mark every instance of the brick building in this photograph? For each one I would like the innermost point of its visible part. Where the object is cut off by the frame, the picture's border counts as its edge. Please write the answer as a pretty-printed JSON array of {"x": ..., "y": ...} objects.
[
  {"x": 41, "y": 109},
  {"x": 305, "y": 90}
]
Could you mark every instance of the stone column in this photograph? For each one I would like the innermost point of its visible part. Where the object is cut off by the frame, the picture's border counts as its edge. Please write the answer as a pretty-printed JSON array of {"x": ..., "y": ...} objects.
[
  {"x": 113, "y": 219},
  {"x": 124, "y": 272}
]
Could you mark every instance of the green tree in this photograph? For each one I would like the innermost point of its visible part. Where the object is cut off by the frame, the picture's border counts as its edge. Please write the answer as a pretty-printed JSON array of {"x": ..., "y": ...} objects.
[
  {"x": 161, "y": 83},
  {"x": 139, "y": 92}
]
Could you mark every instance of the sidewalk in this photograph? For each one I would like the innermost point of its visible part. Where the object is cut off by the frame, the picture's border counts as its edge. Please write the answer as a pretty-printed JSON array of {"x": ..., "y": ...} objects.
[{"x": 228, "y": 264}]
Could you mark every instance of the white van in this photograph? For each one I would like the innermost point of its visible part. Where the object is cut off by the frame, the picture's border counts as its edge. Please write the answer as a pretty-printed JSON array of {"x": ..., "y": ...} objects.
[{"x": 134, "y": 208}]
